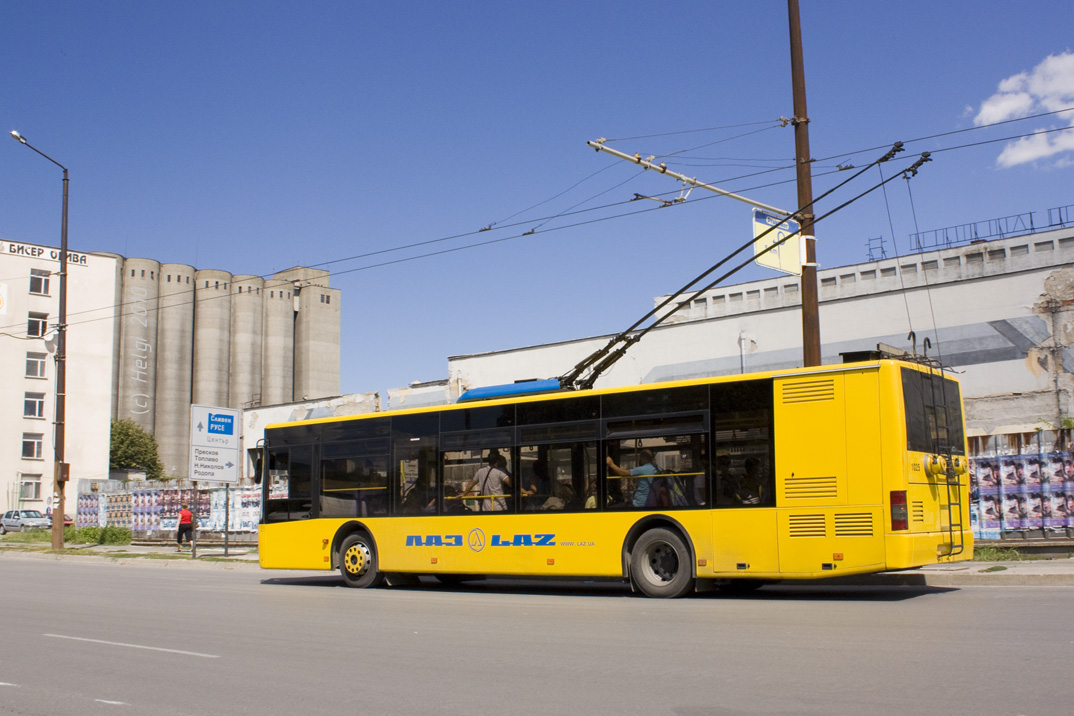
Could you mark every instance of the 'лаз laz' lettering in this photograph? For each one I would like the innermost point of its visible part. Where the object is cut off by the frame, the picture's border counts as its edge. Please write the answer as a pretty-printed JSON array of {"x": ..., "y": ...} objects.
[{"x": 526, "y": 540}]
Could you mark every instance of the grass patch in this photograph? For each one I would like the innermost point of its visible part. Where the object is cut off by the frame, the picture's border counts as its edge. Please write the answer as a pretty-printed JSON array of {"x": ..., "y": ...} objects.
[
  {"x": 995, "y": 568},
  {"x": 111, "y": 535},
  {"x": 28, "y": 537},
  {"x": 1000, "y": 554},
  {"x": 996, "y": 554}
]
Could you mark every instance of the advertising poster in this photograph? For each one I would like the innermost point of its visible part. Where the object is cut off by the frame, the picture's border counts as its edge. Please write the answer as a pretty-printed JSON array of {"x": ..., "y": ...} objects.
[{"x": 991, "y": 512}]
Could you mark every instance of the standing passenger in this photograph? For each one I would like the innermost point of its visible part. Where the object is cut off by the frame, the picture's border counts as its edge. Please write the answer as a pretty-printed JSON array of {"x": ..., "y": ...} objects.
[
  {"x": 644, "y": 472},
  {"x": 492, "y": 481}
]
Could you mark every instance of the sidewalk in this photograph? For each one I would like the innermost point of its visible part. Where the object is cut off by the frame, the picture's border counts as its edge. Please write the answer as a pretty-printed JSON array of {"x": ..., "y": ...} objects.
[{"x": 1035, "y": 573}]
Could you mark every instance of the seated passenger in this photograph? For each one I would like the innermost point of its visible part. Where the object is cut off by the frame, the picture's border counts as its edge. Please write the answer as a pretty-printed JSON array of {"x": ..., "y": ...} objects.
[{"x": 750, "y": 489}]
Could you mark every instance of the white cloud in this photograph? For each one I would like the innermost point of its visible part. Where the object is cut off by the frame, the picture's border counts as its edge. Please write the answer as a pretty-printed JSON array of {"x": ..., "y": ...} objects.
[{"x": 1047, "y": 88}]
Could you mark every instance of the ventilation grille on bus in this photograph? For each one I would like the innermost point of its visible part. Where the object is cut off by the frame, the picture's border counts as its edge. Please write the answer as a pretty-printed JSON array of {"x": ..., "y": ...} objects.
[
  {"x": 816, "y": 488},
  {"x": 917, "y": 511},
  {"x": 807, "y": 526},
  {"x": 810, "y": 391},
  {"x": 854, "y": 524}
]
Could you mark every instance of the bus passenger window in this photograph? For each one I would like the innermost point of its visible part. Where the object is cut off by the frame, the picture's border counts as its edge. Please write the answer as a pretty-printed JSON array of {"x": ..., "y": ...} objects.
[
  {"x": 288, "y": 489},
  {"x": 657, "y": 472},
  {"x": 561, "y": 477},
  {"x": 478, "y": 480},
  {"x": 742, "y": 427},
  {"x": 354, "y": 481}
]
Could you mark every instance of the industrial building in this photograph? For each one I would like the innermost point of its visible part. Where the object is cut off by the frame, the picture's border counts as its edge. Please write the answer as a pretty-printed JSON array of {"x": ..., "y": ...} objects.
[
  {"x": 1000, "y": 312},
  {"x": 146, "y": 340}
]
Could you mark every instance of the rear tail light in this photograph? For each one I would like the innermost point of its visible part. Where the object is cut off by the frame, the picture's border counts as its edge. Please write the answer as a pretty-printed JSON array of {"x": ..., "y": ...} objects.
[{"x": 899, "y": 519}]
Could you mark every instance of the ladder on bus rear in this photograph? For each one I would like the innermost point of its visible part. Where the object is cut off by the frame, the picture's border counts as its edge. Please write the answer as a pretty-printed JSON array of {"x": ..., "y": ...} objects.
[{"x": 956, "y": 543}]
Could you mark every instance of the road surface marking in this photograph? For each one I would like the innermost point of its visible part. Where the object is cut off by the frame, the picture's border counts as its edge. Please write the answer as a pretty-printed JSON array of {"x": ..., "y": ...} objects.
[
  {"x": 134, "y": 646},
  {"x": 111, "y": 703}
]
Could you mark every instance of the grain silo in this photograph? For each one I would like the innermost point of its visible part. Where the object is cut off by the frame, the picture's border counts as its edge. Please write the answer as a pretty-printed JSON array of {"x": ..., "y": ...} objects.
[
  {"x": 212, "y": 337},
  {"x": 138, "y": 342},
  {"x": 278, "y": 348},
  {"x": 117, "y": 328},
  {"x": 317, "y": 343},
  {"x": 246, "y": 327},
  {"x": 175, "y": 358}
]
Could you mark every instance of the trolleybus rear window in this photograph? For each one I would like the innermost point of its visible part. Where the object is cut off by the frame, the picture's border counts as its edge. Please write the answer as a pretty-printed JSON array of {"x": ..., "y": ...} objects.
[{"x": 933, "y": 413}]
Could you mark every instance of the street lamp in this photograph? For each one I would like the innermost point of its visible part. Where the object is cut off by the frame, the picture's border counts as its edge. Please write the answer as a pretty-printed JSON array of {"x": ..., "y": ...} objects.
[{"x": 60, "y": 468}]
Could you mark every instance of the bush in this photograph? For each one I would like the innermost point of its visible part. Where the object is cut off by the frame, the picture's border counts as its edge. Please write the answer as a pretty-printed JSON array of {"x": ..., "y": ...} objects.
[{"x": 97, "y": 535}]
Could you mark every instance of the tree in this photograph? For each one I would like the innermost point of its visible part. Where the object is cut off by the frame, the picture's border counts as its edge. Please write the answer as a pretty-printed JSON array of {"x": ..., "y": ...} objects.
[{"x": 134, "y": 448}]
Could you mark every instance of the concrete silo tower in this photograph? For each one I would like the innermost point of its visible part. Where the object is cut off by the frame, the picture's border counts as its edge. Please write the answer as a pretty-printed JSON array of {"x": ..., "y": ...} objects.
[
  {"x": 175, "y": 364},
  {"x": 117, "y": 328},
  {"x": 212, "y": 337},
  {"x": 278, "y": 342},
  {"x": 317, "y": 326},
  {"x": 246, "y": 330},
  {"x": 137, "y": 381}
]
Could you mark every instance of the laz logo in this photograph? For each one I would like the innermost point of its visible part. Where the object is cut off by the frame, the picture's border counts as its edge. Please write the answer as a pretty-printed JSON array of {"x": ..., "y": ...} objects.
[
  {"x": 434, "y": 541},
  {"x": 532, "y": 540},
  {"x": 524, "y": 541}
]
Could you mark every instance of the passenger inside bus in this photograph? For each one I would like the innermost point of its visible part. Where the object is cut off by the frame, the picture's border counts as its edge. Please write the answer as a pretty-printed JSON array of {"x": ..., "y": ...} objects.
[{"x": 491, "y": 481}]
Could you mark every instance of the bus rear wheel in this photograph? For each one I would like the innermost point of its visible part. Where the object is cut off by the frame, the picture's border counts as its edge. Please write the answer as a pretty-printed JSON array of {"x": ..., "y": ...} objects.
[
  {"x": 358, "y": 562},
  {"x": 660, "y": 565}
]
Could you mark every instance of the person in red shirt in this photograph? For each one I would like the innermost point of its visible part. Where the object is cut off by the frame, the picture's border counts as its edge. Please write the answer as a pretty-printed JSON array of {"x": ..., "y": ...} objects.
[{"x": 186, "y": 527}]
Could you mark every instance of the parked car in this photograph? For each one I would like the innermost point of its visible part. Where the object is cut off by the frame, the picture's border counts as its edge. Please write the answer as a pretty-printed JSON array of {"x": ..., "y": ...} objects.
[{"x": 22, "y": 520}]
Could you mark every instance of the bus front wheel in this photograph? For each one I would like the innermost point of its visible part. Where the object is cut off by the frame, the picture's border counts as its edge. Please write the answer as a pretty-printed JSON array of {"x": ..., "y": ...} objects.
[
  {"x": 660, "y": 565},
  {"x": 358, "y": 562}
]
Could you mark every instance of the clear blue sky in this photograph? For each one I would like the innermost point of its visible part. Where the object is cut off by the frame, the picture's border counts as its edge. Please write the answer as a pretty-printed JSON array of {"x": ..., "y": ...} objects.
[{"x": 252, "y": 137}]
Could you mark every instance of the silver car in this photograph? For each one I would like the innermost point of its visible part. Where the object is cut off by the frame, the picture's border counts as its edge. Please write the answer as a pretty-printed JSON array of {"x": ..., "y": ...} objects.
[{"x": 22, "y": 520}]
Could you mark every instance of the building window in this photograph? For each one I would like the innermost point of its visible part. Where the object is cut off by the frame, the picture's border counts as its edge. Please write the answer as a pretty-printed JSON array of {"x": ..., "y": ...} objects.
[
  {"x": 34, "y": 405},
  {"x": 31, "y": 445},
  {"x": 39, "y": 281},
  {"x": 37, "y": 325},
  {"x": 30, "y": 487},
  {"x": 35, "y": 365}
]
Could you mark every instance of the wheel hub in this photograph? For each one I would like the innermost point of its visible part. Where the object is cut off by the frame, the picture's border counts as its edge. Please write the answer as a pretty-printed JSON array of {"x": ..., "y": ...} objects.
[
  {"x": 663, "y": 562},
  {"x": 356, "y": 559}
]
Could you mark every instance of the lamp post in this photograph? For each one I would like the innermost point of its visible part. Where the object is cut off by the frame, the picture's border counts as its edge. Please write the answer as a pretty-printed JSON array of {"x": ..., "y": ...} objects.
[{"x": 60, "y": 468}]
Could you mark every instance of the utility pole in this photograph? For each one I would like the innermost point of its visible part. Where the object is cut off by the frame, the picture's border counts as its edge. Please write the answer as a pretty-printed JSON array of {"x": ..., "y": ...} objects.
[{"x": 803, "y": 163}]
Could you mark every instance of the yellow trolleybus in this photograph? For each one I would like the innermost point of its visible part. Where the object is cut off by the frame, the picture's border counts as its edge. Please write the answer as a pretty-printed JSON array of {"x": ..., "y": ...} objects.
[{"x": 734, "y": 481}]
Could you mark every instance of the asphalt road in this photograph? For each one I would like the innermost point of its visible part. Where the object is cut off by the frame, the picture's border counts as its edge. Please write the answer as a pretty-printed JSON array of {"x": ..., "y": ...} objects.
[{"x": 81, "y": 636}]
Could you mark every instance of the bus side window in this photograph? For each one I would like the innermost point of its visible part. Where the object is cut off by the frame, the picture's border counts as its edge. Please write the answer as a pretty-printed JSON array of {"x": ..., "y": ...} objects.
[
  {"x": 666, "y": 472},
  {"x": 560, "y": 477},
  {"x": 744, "y": 462},
  {"x": 289, "y": 493}
]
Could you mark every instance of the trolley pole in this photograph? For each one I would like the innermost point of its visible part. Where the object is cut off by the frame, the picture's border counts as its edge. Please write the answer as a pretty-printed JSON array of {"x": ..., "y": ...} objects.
[{"x": 810, "y": 302}]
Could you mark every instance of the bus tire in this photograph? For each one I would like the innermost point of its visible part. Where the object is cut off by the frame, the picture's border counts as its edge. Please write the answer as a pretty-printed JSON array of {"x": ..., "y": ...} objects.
[
  {"x": 358, "y": 562},
  {"x": 660, "y": 565}
]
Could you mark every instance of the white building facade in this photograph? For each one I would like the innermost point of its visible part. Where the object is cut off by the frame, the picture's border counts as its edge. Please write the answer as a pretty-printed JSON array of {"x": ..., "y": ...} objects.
[
  {"x": 29, "y": 311},
  {"x": 1000, "y": 313},
  {"x": 144, "y": 341}
]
